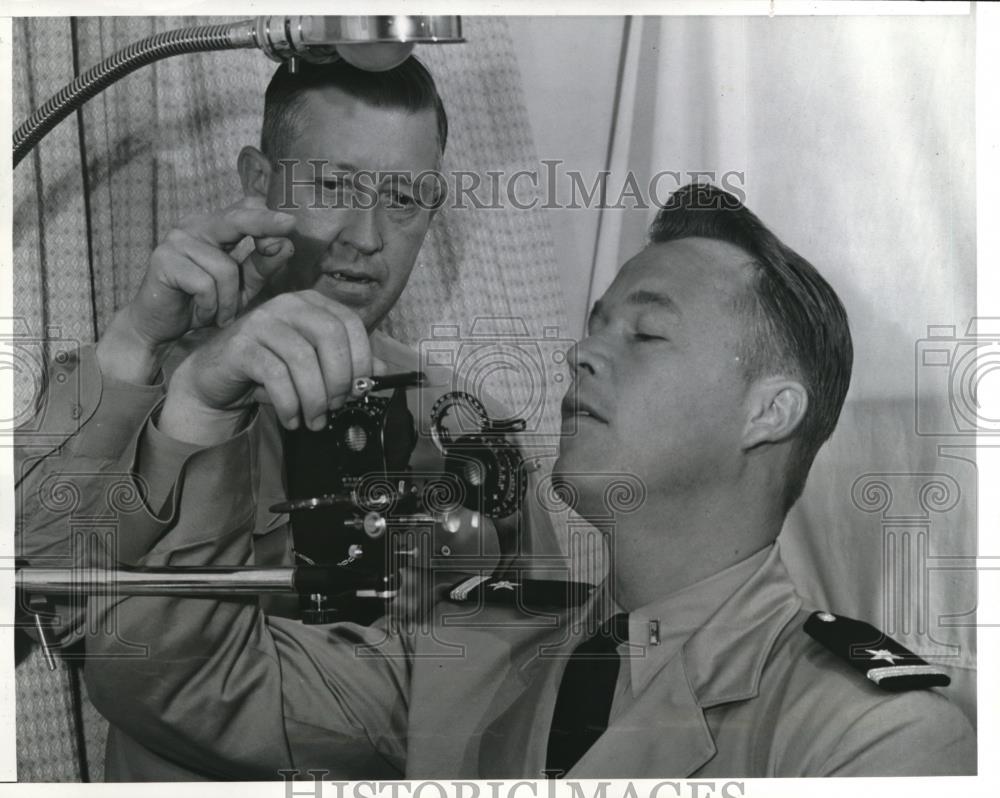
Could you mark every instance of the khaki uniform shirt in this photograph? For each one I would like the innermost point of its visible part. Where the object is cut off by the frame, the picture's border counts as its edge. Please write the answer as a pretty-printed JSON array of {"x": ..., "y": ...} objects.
[
  {"x": 73, "y": 478},
  {"x": 468, "y": 691}
]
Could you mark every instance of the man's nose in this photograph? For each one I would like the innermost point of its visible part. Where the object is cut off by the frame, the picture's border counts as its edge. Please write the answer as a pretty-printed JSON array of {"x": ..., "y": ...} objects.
[
  {"x": 584, "y": 356},
  {"x": 362, "y": 231}
]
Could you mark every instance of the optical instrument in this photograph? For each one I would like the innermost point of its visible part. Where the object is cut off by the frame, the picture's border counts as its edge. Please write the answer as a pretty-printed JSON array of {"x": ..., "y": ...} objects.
[{"x": 354, "y": 533}]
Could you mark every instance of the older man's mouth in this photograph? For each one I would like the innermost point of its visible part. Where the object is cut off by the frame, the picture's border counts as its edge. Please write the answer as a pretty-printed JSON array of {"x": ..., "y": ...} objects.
[
  {"x": 344, "y": 276},
  {"x": 349, "y": 287}
]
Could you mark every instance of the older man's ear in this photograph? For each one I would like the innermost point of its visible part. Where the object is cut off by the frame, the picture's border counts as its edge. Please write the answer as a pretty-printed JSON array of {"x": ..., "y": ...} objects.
[
  {"x": 255, "y": 172},
  {"x": 775, "y": 408}
]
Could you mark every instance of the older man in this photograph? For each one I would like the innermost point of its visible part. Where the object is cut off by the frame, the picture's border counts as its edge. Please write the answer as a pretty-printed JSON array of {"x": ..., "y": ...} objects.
[
  {"x": 714, "y": 368},
  {"x": 335, "y": 203},
  {"x": 326, "y": 268}
]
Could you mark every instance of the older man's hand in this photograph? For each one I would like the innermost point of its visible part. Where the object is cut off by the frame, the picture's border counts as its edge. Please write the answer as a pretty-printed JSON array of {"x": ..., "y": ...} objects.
[
  {"x": 193, "y": 282},
  {"x": 300, "y": 352}
]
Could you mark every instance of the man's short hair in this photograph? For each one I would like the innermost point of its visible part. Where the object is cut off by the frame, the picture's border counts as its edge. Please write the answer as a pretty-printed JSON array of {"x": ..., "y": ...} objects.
[
  {"x": 409, "y": 87},
  {"x": 797, "y": 324}
]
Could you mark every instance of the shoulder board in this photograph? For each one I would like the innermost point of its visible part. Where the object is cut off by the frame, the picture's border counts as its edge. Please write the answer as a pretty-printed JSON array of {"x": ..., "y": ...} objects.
[
  {"x": 525, "y": 593},
  {"x": 870, "y": 651}
]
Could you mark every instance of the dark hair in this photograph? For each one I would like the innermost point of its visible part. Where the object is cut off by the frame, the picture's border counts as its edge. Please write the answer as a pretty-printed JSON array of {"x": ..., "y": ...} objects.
[
  {"x": 796, "y": 322},
  {"x": 408, "y": 86}
]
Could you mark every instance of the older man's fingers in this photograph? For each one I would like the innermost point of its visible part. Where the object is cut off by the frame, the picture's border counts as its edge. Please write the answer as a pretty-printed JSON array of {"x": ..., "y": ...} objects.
[
  {"x": 276, "y": 387},
  {"x": 357, "y": 335},
  {"x": 220, "y": 268},
  {"x": 187, "y": 276},
  {"x": 302, "y": 361},
  {"x": 231, "y": 225}
]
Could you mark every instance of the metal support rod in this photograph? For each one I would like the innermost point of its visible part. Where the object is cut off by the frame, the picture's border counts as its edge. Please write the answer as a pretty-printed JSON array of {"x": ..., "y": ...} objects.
[
  {"x": 158, "y": 581},
  {"x": 201, "y": 581}
]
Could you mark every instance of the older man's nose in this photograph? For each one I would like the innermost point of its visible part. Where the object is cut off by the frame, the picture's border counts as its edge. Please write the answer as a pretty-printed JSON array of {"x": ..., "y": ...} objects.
[{"x": 362, "y": 231}]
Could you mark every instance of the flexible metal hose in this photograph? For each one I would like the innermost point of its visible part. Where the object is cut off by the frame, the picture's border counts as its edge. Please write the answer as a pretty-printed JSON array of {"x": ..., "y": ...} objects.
[{"x": 203, "y": 38}]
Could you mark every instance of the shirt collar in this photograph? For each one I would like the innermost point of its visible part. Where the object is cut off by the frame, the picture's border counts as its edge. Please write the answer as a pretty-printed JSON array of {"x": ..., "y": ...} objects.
[{"x": 674, "y": 619}]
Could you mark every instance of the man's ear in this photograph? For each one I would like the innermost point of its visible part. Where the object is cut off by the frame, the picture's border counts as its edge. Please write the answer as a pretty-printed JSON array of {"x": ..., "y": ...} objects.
[
  {"x": 776, "y": 407},
  {"x": 255, "y": 172}
]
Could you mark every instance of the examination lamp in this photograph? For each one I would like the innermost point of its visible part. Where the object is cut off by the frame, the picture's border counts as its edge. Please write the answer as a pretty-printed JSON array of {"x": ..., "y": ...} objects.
[{"x": 372, "y": 43}]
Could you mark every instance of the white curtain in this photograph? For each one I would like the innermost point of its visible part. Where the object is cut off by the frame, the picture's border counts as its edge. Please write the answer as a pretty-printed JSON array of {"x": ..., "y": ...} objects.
[{"x": 853, "y": 139}]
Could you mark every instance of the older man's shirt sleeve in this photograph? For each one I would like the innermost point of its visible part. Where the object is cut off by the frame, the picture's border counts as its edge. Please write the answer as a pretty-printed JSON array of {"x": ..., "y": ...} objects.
[
  {"x": 67, "y": 472},
  {"x": 215, "y": 683}
]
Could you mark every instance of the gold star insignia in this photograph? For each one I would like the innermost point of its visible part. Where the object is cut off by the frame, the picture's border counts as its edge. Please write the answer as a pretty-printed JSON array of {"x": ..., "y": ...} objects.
[{"x": 504, "y": 584}]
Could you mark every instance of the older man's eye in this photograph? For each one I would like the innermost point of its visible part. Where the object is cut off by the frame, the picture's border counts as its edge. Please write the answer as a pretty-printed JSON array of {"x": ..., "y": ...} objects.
[
  {"x": 335, "y": 191},
  {"x": 646, "y": 337},
  {"x": 397, "y": 201}
]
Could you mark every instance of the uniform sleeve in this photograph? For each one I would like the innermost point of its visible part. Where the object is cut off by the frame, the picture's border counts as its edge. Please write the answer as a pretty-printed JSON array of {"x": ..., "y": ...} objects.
[
  {"x": 918, "y": 733},
  {"x": 66, "y": 468},
  {"x": 216, "y": 684}
]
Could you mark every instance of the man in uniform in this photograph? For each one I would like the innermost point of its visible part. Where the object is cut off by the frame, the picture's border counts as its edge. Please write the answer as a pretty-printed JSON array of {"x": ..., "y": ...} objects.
[
  {"x": 332, "y": 203},
  {"x": 321, "y": 261},
  {"x": 714, "y": 367}
]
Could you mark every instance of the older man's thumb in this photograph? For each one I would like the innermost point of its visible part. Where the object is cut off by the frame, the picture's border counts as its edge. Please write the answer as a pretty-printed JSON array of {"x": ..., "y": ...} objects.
[{"x": 274, "y": 247}]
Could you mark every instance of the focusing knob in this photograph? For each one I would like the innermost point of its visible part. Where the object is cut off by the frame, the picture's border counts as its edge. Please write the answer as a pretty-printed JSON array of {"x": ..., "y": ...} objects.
[
  {"x": 356, "y": 429},
  {"x": 489, "y": 468}
]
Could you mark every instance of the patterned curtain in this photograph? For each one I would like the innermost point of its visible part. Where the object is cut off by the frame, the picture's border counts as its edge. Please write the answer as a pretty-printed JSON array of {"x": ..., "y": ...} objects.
[{"x": 93, "y": 200}]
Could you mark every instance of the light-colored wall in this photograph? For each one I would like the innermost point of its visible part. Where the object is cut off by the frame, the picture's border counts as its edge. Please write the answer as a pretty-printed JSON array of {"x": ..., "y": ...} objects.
[
  {"x": 863, "y": 159},
  {"x": 855, "y": 135}
]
